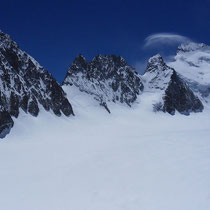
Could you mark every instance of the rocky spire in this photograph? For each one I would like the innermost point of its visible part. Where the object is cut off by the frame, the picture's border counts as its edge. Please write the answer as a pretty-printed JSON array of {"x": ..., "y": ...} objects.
[{"x": 156, "y": 63}]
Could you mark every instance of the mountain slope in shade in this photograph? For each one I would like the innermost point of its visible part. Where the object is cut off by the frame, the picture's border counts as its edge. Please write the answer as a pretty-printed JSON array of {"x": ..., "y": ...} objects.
[
  {"x": 108, "y": 78},
  {"x": 173, "y": 93},
  {"x": 27, "y": 85},
  {"x": 192, "y": 62}
]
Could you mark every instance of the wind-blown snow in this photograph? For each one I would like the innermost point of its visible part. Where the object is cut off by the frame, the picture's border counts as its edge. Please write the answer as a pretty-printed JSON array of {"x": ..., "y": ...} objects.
[{"x": 132, "y": 159}]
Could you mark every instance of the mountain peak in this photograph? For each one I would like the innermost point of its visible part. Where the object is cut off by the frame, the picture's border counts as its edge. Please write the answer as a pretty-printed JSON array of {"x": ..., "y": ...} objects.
[
  {"x": 117, "y": 60},
  {"x": 6, "y": 41},
  {"x": 2, "y": 34},
  {"x": 156, "y": 63},
  {"x": 80, "y": 58},
  {"x": 80, "y": 61}
]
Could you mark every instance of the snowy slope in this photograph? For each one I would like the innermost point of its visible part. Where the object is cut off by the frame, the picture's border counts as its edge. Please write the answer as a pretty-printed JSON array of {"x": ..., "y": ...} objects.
[{"x": 130, "y": 159}]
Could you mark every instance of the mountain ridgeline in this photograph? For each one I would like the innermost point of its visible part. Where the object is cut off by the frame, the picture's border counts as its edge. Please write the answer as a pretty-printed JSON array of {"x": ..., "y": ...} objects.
[{"x": 108, "y": 79}]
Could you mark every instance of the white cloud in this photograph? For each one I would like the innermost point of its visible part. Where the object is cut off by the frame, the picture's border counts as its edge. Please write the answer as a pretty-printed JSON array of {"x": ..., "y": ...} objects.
[{"x": 165, "y": 39}]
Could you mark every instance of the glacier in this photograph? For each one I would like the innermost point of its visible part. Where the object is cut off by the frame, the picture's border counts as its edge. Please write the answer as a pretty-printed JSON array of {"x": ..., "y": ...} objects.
[{"x": 131, "y": 159}]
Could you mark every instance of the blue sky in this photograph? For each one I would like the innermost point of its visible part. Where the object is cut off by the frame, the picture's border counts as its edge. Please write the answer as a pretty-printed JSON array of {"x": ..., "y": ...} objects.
[{"x": 55, "y": 31}]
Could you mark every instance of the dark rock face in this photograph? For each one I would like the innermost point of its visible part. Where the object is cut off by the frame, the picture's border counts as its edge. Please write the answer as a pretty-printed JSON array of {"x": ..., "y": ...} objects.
[
  {"x": 6, "y": 123},
  {"x": 107, "y": 77},
  {"x": 176, "y": 95},
  {"x": 27, "y": 85}
]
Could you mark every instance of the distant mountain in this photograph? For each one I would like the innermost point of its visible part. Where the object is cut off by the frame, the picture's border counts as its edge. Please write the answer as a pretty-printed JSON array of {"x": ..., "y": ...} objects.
[
  {"x": 174, "y": 93},
  {"x": 192, "y": 62},
  {"x": 26, "y": 85},
  {"x": 108, "y": 78}
]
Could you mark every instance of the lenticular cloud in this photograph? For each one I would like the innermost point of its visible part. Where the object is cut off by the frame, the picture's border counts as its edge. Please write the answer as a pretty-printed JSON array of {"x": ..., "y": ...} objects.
[{"x": 165, "y": 38}]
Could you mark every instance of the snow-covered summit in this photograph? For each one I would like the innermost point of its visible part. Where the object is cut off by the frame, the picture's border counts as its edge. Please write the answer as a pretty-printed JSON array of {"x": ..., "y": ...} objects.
[
  {"x": 27, "y": 85},
  {"x": 156, "y": 64},
  {"x": 108, "y": 78}
]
